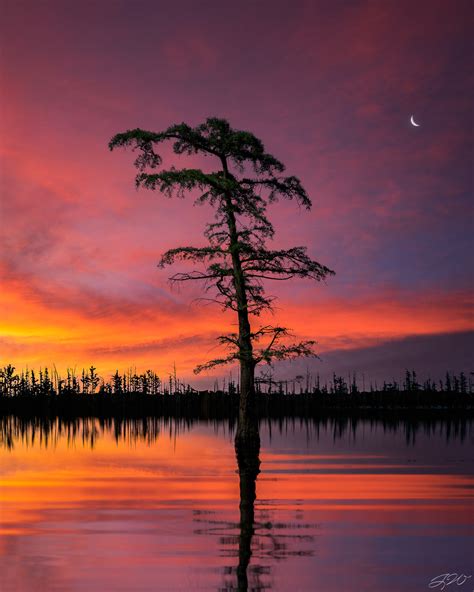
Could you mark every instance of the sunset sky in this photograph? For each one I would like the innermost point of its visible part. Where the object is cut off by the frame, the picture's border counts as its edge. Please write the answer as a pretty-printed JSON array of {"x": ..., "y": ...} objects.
[{"x": 329, "y": 86}]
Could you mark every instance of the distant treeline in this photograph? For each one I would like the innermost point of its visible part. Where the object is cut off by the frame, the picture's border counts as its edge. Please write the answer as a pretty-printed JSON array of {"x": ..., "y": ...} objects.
[
  {"x": 88, "y": 382},
  {"x": 45, "y": 391}
]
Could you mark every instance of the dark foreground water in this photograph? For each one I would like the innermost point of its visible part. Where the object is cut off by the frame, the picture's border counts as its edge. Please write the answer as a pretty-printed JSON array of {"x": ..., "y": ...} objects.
[{"x": 138, "y": 506}]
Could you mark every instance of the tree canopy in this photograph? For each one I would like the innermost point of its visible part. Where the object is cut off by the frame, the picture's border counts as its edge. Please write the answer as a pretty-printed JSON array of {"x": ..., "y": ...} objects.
[{"x": 236, "y": 259}]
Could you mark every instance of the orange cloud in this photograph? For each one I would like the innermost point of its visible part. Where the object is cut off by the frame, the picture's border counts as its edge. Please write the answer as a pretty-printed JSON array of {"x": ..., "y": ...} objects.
[{"x": 72, "y": 328}]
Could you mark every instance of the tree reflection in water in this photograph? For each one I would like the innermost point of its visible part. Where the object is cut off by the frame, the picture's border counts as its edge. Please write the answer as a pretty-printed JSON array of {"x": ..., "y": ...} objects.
[
  {"x": 47, "y": 430},
  {"x": 259, "y": 538},
  {"x": 248, "y": 463}
]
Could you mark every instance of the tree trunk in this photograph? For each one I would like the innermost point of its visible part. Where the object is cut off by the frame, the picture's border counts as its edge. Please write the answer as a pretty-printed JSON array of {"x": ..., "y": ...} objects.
[{"x": 247, "y": 428}]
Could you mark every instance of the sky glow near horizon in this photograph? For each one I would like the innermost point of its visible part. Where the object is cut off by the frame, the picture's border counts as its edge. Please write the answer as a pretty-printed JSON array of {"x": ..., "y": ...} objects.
[{"x": 328, "y": 86}]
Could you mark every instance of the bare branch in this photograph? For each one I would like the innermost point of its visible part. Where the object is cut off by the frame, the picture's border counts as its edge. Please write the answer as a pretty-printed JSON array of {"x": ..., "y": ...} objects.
[{"x": 216, "y": 362}]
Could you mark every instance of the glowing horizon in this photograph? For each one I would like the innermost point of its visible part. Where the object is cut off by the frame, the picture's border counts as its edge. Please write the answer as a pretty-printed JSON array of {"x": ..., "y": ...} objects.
[{"x": 391, "y": 204}]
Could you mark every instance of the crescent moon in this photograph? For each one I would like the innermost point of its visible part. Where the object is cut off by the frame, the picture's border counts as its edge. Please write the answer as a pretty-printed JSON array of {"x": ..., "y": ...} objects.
[{"x": 412, "y": 121}]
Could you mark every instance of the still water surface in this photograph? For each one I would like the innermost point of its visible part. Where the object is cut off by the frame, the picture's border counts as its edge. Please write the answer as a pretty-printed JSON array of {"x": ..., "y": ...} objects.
[{"x": 146, "y": 506}]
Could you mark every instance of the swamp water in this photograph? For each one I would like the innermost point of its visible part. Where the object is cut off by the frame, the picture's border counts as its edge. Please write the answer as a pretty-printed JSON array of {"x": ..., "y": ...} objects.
[{"x": 149, "y": 504}]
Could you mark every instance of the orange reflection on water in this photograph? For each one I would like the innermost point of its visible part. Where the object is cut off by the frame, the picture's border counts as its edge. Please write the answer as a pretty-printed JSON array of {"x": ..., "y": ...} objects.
[
  {"x": 169, "y": 473},
  {"x": 132, "y": 514}
]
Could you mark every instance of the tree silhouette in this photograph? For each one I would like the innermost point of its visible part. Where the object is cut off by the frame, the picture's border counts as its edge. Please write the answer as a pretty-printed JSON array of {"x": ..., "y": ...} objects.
[{"x": 236, "y": 259}]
